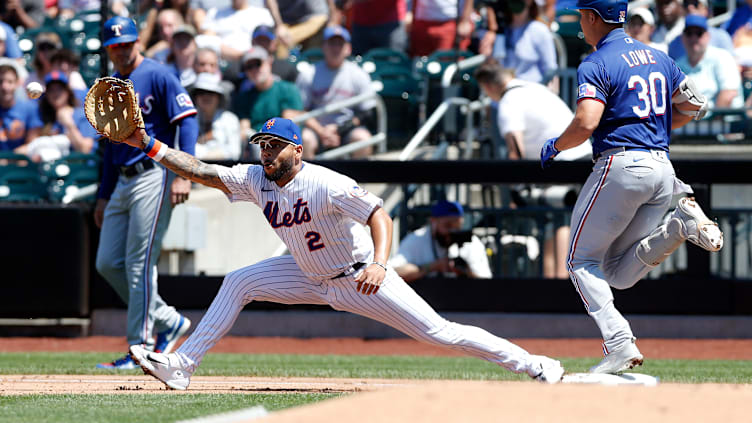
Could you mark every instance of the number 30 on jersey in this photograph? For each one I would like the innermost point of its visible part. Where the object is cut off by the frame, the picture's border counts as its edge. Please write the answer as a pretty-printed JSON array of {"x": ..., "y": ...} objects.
[{"x": 650, "y": 93}]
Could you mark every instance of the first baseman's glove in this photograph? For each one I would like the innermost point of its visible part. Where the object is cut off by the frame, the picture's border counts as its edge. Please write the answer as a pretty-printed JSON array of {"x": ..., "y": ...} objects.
[
  {"x": 548, "y": 152},
  {"x": 111, "y": 107}
]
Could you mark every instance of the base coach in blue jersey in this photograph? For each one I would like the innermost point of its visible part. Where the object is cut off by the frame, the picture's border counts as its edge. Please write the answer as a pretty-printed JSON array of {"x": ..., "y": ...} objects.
[
  {"x": 136, "y": 196},
  {"x": 630, "y": 97}
]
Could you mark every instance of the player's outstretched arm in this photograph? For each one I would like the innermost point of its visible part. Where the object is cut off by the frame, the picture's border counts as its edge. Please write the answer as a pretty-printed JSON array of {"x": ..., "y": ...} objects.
[{"x": 181, "y": 163}]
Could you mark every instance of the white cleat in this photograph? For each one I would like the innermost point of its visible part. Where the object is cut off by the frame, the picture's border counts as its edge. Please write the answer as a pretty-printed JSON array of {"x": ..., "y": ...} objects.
[
  {"x": 620, "y": 361},
  {"x": 701, "y": 231},
  {"x": 550, "y": 370},
  {"x": 165, "y": 367}
]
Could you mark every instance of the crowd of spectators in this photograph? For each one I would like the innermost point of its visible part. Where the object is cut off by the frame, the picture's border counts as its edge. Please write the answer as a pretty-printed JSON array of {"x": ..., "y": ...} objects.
[{"x": 243, "y": 62}]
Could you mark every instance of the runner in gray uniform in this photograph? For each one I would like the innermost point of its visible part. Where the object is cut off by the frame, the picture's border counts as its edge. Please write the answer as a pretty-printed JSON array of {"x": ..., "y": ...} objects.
[{"x": 629, "y": 98}]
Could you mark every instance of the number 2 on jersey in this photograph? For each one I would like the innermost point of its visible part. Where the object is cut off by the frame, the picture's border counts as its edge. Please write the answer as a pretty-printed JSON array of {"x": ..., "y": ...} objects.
[
  {"x": 648, "y": 94},
  {"x": 314, "y": 241}
]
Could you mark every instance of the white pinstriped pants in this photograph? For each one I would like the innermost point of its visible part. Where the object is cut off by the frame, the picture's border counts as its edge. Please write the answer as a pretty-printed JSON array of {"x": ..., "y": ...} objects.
[{"x": 280, "y": 280}]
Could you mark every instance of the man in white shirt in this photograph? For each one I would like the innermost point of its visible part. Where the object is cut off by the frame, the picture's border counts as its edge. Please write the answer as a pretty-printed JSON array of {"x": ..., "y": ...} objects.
[
  {"x": 442, "y": 248},
  {"x": 528, "y": 114}
]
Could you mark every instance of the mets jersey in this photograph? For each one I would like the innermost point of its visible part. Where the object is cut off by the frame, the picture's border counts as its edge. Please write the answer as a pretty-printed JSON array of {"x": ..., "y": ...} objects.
[
  {"x": 635, "y": 82},
  {"x": 320, "y": 215}
]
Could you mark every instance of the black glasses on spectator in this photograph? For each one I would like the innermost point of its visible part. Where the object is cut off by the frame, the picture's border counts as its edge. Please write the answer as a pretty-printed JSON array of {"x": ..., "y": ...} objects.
[
  {"x": 694, "y": 32},
  {"x": 252, "y": 64}
]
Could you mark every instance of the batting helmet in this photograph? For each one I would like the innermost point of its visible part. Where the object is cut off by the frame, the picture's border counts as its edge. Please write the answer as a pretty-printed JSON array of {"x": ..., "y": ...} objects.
[
  {"x": 611, "y": 11},
  {"x": 119, "y": 30}
]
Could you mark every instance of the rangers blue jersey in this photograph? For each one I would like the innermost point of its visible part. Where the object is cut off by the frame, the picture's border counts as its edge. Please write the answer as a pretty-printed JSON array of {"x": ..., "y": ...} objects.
[
  {"x": 163, "y": 102},
  {"x": 636, "y": 83}
]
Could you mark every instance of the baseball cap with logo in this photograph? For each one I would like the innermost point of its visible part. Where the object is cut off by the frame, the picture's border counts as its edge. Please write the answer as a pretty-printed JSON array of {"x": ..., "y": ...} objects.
[
  {"x": 56, "y": 76},
  {"x": 264, "y": 31},
  {"x": 119, "y": 30},
  {"x": 281, "y": 129},
  {"x": 185, "y": 29},
  {"x": 336, "y": 31}
]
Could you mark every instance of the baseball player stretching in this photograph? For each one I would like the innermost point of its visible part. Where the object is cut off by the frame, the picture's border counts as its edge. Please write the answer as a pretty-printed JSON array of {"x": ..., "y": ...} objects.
[
  {"x": 321, "y": 217},
  {"x": 630, "y": 96},
  {"x": 136, "y": 197}
]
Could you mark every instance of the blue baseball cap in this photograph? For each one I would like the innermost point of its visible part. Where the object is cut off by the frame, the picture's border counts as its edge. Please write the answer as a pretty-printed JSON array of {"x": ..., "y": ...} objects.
[
  {"x": 446, "y": 208},
  {"x": 56, "y": 76},
  {"x": 119, "y": 30},
  {"x": 264, "y": 31},
  {"x": 284, "y": 129},
  {"x": 697, "y": 21},
  {"x": 336, "y": 31}
]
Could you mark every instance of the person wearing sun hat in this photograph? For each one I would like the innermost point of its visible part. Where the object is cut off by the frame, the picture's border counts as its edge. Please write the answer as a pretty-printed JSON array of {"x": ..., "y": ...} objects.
[{"x": 218, "y": 128}]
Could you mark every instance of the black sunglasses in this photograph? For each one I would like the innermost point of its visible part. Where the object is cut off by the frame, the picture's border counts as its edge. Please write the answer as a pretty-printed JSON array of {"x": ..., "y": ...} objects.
[
  {"x": 252, "y": 64},
  {"x": 694, "y": 32}
]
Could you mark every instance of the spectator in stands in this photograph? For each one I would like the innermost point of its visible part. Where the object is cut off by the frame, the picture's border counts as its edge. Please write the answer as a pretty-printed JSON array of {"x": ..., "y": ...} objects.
[
  {"x": 65, "y": 127},
  {"x": 219, "y": 129},
  {"x": 264, "y": 36},
  {"x": 378, "y": 23},
  {"x": 199, "y": 8},
  {"x": 9, "y": 44},
  {"x": 19, "y": 120},
  {"x": 528, "y": 114},
  {"x": 264, "y": 97},
  {"x": 718, "y": 37},
  {"x": 207, "y": 61},
  {"x": 46, "y": 44},
  {"x": 670, "y": 21},
  {"x": 641, "y": 25},
  {"x": 714, "y": 70},
  {"x": 67, "y": 9},
  {"x": 182, "y": 54},
  {"x": 300, "y": 22},
  {"x": 149, "y": 32},
  {"x": 167, "y": 21},
  {"x": 529, "y": 44},
  {"x": 22, "y": 13},
  {"x": 67, "y": 61},
  {"x": 440, "y": 25},
  {"x": 330, "y": 80},
  {"x": 233, "y": 27},
  {"x": 442, "y": 248},
  {"x": 741, "y": 19}
]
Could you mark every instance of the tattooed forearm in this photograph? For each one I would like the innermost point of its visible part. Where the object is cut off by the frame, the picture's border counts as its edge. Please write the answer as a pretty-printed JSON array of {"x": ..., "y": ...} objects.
[{"x": 192, "y": 168}]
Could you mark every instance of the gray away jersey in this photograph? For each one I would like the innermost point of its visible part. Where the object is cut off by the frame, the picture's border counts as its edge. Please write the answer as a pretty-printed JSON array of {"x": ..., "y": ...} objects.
[{"x": 320, "y": 215}]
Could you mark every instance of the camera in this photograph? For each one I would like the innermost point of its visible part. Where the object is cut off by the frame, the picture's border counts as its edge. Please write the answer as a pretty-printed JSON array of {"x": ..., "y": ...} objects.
[{"x": 460, "y": 237}]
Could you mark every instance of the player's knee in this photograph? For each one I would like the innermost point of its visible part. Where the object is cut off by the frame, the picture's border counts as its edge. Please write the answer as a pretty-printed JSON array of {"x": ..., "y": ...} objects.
[
  {"x": 445, "y": 334},
  {"x": 106, "y": 266}
]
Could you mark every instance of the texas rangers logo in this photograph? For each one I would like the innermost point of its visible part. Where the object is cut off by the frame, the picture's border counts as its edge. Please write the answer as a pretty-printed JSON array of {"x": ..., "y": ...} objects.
[
  {"x": 269, "y": 123},
  {"x": 116, "y": 29},
  {"x": 184, "y": 100},
  {"x": 586, "y": 90}
]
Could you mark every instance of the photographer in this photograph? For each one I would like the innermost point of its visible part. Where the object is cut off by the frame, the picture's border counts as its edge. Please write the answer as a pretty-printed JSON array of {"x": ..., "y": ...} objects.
[{"x": 441, "y": 247}]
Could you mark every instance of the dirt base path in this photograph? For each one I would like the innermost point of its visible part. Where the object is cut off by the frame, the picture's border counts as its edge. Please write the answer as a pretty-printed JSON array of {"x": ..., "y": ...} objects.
[{"x": 699, "y": 349}]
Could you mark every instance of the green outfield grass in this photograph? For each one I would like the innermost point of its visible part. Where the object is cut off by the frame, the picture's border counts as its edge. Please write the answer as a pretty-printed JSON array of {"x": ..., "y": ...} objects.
[{"x": 139, "y": 407}]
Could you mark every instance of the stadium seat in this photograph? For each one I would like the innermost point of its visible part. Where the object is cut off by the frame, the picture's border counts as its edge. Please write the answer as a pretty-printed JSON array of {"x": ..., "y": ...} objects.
[
  {"x": 312, "y": 55},
  {"x": 20, "y": 180},
  {"x": 71, "y": 173},
  {"x": 377, "y": 57},
  {"x": 401, "y": 95}
]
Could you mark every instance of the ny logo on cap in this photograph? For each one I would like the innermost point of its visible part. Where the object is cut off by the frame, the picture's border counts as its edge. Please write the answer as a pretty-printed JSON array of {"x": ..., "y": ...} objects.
[
  {"x": 116, "y": 29},
  {"x": 269, "y": 124}
]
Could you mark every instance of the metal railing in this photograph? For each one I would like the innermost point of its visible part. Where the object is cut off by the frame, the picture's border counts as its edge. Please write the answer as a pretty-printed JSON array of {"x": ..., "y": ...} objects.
[{"x": 379, "y": 138}]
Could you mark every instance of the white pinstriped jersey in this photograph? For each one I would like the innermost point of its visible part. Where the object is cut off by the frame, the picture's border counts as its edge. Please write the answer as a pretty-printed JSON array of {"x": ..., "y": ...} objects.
[{"x": 320, "y": 215}]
